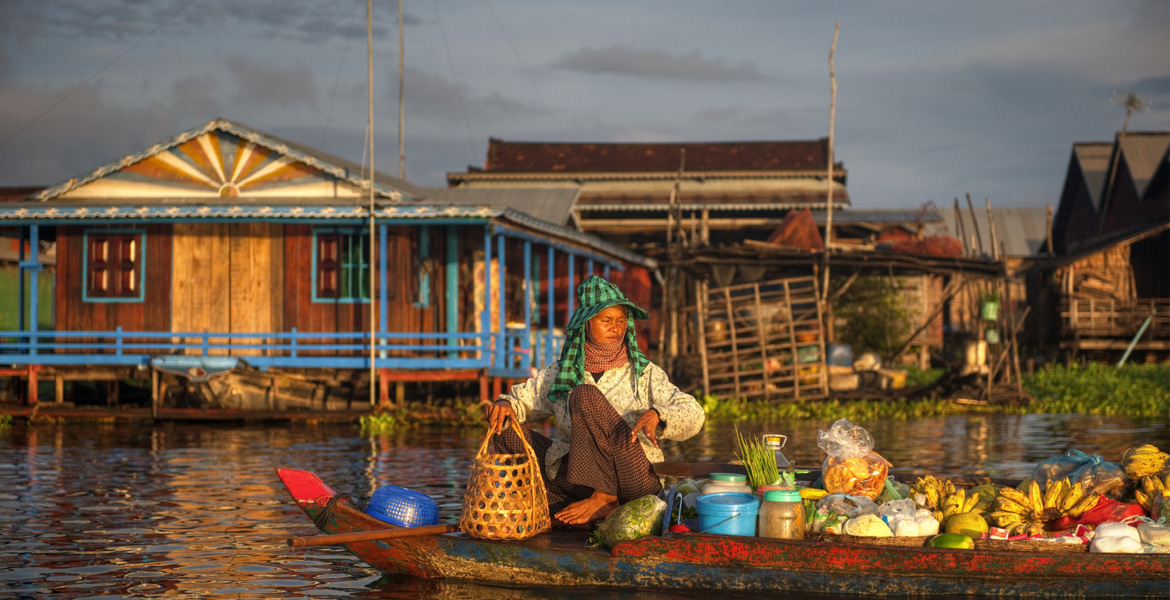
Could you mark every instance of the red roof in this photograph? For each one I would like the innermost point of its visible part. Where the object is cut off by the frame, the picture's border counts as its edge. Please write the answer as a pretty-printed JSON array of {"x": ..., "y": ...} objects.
[{"x": 554, "y": 157}]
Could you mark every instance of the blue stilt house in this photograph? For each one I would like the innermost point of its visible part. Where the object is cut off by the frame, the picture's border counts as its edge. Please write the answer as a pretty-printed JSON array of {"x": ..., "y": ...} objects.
[{"x": 237, "y": 265}]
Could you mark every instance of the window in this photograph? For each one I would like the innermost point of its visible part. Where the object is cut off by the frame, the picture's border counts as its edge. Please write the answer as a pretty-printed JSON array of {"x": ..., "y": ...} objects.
[
  {"x": 342, "y": 265},
  {"x": 113, "y": 266}
]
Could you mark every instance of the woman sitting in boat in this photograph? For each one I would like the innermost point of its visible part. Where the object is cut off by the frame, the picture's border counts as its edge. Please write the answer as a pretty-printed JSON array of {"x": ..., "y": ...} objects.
[{"x": 611, "y": 404}]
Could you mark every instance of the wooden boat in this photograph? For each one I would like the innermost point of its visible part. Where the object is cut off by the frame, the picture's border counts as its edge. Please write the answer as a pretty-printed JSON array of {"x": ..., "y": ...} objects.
[{"x": 561, "y": 558}]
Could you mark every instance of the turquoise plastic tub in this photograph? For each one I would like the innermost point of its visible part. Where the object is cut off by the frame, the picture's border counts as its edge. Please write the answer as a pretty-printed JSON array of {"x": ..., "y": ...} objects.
[{"x": 728, "y": 513}]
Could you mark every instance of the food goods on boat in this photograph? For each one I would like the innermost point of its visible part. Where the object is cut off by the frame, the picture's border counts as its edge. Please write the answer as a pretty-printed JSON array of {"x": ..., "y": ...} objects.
[
  {"x": 1150, "y": 489},
  {"x": 1116, "y": 537},
  {"x": 813, "y": 493},
  {"x": 632, "y": 520},
  {"x": 867, "y": 526},
  {"x": 1144, "y": 460},
  {"x": 951, "y": 540},
  {"x": 1029, "y": 510},
  {"x": 970, "y": 524},
  {"x": 1154, "y": 534},
  {"x": 781, "y": 515}
]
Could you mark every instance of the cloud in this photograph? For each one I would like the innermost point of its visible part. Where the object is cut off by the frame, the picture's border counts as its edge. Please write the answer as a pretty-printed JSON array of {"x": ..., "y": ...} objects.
[
  {"x": 429, "y": 95},
  {"x": 268, "y": 84},
  {"x": 659, "y": 64},
  {"x": 297, "y": 20}
]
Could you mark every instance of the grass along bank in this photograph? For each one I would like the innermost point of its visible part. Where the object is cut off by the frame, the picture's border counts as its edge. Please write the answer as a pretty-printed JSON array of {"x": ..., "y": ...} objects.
[{"x": 1131, "y": 390}]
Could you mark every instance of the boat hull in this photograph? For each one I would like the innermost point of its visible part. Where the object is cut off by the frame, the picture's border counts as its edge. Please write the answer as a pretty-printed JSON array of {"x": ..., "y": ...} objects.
[{"x": 714, "y": 562}]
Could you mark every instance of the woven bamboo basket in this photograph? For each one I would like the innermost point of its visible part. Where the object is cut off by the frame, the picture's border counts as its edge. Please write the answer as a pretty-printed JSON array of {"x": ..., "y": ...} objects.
[
  {"x": 897, "y": 540},
  {"x": 1030, "y": 546},
  {"x": 505, "y": 497}
]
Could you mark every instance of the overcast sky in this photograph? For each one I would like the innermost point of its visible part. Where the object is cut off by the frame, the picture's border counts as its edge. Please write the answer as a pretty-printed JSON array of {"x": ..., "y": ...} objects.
[{"x": 935, "y": 99}]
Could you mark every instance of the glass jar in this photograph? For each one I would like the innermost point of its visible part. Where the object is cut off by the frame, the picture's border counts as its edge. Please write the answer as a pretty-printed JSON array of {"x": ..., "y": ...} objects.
[
  {"x": 722, "y": 483},
  {"x": 781, "y": 515}
]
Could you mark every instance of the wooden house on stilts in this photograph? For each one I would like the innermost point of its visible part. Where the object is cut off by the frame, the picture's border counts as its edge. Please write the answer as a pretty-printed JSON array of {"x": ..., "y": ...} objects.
[{"x": 233, "y": 269}]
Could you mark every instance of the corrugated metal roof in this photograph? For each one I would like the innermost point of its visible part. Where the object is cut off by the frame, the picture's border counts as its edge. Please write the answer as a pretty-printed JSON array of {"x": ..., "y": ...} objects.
[
  {"x": 553, "y": 205},
  {"x": 1143, "y": 153},
  {"x": 568, "y": 157},
  {"x": 1093, "y": 158},
  {"x": 1022, "y": 231}
]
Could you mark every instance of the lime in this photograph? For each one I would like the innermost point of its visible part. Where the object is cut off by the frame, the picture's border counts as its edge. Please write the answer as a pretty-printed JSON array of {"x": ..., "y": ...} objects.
[{"x": 951, "y": 540}]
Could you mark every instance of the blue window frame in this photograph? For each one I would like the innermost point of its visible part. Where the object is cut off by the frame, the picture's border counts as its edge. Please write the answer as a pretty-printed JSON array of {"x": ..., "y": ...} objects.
[
  {"x": 114, "y": 265},
  {"x": 341, "y": 265}
]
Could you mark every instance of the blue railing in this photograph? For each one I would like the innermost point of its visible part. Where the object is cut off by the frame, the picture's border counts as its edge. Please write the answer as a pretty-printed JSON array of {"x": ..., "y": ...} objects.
[{"x": 509, "y": 354}]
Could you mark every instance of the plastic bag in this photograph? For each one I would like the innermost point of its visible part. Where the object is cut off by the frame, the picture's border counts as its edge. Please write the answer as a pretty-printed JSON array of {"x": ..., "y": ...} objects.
[
  {"x": 848, "y": 505},
  {"x": 1107, "y": 510},
  {"x": 898, "y": 509},
  {"x": 632, "y": 520},
  {"x": 1096, "y": 475},
  {"x": 852, "y": 467}
]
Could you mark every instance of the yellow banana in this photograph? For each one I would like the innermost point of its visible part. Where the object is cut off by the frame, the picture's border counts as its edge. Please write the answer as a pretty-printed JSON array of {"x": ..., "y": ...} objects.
[
  {"x": 1035, "y": 498},
  {"x": 1014, "y": 495},
  {"x": 1084, "y": 505},
  {"x": 1005, "y": 518},
  {"x": 1146, "y": 501},
  {"x": 1007, "y": 504},
  {"x": 1072, "y": 497},
  {"x": 971, "y": 503},
  {"x": 1052, "y": 494}
]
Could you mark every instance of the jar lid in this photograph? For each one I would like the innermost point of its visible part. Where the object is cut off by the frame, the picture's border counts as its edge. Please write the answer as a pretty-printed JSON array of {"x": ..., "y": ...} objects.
[
  {"x": 732, "y": 477},
  {"x": 782, "y": 496}
]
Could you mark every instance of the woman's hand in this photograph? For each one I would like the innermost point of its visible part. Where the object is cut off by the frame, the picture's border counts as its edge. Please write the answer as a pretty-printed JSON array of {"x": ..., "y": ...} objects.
[
  {"x": 498, "y": 414},
  {"x": 647, "y": 424}
]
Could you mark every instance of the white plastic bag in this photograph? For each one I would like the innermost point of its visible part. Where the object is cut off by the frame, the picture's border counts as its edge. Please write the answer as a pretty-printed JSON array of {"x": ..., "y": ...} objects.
[{"x": 1115, "y": 529}]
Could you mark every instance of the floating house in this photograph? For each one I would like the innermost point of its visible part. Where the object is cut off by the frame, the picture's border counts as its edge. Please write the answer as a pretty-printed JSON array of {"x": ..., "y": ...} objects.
[
  {"x": 1111, "y": 238},
  {"x": 234, "y": 269}
]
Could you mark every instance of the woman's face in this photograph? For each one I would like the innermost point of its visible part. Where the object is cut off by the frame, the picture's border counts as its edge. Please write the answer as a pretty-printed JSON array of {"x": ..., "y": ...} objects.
[{"x": 609, "y": 325}]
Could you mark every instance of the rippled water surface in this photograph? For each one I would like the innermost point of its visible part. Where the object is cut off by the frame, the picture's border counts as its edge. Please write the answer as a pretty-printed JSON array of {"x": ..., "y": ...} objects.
[{"x": 196, "y": 510}]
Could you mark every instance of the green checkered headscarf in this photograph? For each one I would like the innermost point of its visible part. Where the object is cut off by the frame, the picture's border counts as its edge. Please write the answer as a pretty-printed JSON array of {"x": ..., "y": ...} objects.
[{"x": 593, "y": 295}]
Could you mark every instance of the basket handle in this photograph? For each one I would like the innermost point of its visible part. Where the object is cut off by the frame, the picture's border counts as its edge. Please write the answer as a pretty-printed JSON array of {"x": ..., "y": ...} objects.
[
  {"x": 538, "y": 480},
  {"x": 519, "y": 433}
]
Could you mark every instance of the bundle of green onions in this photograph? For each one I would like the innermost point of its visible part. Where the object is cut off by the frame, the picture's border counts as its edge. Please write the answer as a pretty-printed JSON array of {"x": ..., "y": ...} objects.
[{"x": 758, "y": 460}]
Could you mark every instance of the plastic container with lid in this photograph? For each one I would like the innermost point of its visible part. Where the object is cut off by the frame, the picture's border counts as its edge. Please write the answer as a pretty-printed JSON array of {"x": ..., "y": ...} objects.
[
  {"x": 728, "y": 514},
  {"x": 781, "y": 515},
  {"x": 723, "y": 483}
]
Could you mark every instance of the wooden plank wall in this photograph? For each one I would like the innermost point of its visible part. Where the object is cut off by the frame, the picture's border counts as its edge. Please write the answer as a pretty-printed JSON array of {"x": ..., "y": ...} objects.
[
  {"x": 152, "y": 314},
  {"x": 227, "y": 279}
]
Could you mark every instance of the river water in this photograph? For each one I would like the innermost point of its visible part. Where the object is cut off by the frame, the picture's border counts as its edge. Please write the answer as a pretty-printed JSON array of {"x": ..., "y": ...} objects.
[{"x": 131, "y": 510}]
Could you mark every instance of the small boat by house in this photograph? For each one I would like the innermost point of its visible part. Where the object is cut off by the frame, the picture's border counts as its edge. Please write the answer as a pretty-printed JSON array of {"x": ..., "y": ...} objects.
[{"x": 696, "y": 561}]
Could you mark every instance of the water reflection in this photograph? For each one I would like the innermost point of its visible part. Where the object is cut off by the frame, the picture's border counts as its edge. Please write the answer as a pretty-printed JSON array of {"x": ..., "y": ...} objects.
[{"x": 130, "y": 510}]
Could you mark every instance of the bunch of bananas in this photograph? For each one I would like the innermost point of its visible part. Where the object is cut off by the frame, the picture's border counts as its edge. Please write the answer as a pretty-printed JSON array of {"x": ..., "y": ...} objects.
[
  {"x": 944, "y": 499},
  {"x": 1144, "y": 460},
  {"x": 928, "y": 492},
  {"x": 1026, "y": 509},
  {"x": 1149, "y": 488}
]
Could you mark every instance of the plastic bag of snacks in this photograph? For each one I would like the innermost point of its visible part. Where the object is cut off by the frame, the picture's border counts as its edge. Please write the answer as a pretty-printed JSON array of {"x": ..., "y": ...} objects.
[
  {"x": 632, "y": 520},
  {"x": 1095, "y": 474},
  {"x": 852, "y": 467}
]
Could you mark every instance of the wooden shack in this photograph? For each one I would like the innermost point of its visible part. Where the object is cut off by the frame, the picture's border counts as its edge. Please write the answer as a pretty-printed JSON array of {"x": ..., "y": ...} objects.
[
  {"x": 257, "y": 273},
  {"x": 1110, "y": 278}
]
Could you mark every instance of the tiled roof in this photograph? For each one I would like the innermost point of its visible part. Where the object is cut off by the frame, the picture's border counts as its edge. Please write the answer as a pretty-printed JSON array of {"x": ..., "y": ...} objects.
[{"x": 567, "y": 157}]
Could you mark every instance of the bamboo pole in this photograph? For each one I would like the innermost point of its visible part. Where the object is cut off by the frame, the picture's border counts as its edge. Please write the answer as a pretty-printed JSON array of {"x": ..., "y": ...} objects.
[
  {"x": 373, "y": 241},
  {"x": 824, "y": 300},
  {"x": 701, "y": 317},
  {"x": 995, "y": 254},
  {"x": 961, "y": 230},
  {"x": 975, "y": 224},
  {"x": 1048, "y": 229}
]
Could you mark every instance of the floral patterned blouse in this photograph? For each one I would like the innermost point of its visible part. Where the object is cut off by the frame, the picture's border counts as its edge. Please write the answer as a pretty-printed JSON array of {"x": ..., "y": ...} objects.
[{"x": 681, "y": 415}]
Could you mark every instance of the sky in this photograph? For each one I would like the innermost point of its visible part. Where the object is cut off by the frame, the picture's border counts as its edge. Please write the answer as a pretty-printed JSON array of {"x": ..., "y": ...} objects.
[{"x": 936, "y": 99}]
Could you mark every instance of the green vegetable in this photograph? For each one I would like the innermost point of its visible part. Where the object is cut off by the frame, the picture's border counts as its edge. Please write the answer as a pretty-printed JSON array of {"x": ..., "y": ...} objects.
[
  {"x": 758, "y": 460},
  {"x": 632, "y": 520}
]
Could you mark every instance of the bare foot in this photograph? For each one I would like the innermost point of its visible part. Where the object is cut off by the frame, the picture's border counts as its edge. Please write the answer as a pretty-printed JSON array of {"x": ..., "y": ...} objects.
[{"x": 595, "y": 507}]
